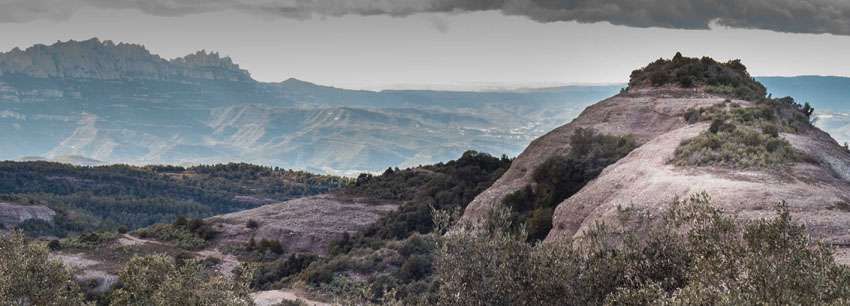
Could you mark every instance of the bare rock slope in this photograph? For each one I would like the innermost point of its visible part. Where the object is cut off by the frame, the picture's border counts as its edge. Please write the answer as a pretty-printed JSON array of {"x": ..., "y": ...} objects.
[{"x": 301, "y": 225}]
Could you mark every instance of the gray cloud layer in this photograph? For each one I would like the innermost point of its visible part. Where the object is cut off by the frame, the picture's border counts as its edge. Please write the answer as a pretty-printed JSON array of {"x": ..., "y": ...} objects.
[{"x": 796, "y": 16}]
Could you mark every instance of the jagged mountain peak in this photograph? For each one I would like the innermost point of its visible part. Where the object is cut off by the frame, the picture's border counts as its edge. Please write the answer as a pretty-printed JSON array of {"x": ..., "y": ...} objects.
[{"x": 97, "y": 59}]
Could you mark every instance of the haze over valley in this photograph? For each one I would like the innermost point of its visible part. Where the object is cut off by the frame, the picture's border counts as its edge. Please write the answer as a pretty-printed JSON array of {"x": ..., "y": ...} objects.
[{"x": 99, "y": 102}]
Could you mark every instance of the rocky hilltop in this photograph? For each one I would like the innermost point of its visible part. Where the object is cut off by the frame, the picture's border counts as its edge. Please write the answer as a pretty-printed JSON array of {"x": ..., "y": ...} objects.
[
  {"x": 105, "y": 60},
  {"x": 689, "y": 128}
]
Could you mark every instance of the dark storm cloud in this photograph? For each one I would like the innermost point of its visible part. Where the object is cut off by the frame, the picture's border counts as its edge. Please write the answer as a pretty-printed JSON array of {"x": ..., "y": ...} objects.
[{"x": 797, "y": 16}]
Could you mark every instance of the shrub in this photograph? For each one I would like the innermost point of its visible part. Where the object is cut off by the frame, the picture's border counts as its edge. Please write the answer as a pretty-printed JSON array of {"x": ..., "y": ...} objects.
[
  {"x": 54, "y": 245},
  {"x": 270, "y": 246},
  {"x": 281, "y": 269},
  {"x": 770, "y": 130},
  {"x": 415, "y": 267},
  {"x": 693, "y": 255},
  {"x": 692, "y": 115},
  {"x": 252, "y": 224}
]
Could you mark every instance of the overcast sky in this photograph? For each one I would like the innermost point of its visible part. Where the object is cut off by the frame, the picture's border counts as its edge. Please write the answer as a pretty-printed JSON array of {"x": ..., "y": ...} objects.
[{"x": 463, "y": 45}]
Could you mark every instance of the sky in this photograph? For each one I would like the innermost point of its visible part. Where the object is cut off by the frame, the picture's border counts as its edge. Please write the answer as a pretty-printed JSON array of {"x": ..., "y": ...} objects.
[{"x": 448, "y": 44}]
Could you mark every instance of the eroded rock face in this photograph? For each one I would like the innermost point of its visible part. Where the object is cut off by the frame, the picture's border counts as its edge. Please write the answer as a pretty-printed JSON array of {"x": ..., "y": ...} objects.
[
  {"x": 305, "y": 225},
  {"x": 643, "y": 113},
  {"x": 14, "y": 214}
]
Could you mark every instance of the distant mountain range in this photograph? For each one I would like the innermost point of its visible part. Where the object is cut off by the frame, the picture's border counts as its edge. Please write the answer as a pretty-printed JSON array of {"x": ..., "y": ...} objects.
[{"x": 118, "y": 103}]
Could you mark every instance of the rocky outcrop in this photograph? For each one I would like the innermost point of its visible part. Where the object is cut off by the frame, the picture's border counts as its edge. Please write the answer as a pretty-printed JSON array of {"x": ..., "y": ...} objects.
[
  {"x": 644, "y": 113},
  {"x": 105, "y": 60},
  {"x": 14, "y": 214},
  {"x": 305, "y": 225}
]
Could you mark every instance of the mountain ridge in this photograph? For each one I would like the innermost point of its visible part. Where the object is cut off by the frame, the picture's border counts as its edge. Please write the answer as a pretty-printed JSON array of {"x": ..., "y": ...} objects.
[{"x": 106, "y": 60}]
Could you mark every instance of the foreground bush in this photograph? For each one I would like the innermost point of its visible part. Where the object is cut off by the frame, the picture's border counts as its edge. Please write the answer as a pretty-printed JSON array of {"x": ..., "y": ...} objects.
[
  {"x": 695, "y": 255},
  {"x": 29, "y": 277}
]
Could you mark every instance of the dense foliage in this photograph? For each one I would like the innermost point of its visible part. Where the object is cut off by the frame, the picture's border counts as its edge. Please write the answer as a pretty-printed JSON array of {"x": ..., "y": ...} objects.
[
  {"x": 695, "y": 255},
  {"x": 113, "y": 196},
  {"x": 29, "y": 277},
  {"x": 559, "y": 177},
  {"x": 730, "y": 78},
  {"x": 745, "y": 137},
  {"x": 396, "y": 253}
]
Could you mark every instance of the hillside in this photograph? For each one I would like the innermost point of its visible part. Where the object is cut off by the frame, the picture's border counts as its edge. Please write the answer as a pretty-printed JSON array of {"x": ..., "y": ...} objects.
[
  {"x": 82, "y": 199},
  {"x": 706, "y": 133}
]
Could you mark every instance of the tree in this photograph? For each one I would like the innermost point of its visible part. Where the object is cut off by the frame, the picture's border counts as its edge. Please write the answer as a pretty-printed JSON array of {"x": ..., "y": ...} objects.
[
  {"x": 808, "y": 109},
  {"x": 29, "y": 277}
]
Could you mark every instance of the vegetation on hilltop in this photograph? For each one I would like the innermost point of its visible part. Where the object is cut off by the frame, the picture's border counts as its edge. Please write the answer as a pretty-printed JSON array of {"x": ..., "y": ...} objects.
[
  {"x": 745, "y": 137},
  {"x": 110, "y": 197},
  {"x": 730, "y": 78}
]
